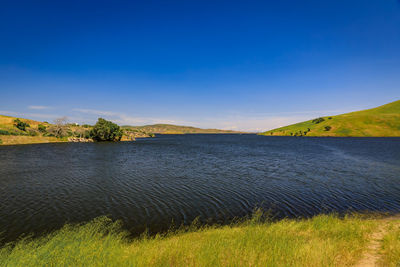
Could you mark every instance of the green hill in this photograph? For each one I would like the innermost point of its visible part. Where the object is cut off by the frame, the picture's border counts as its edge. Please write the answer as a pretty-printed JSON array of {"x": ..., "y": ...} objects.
[
  {"x": 174, "y": 129},
  {"x": 382, "y": 121}
]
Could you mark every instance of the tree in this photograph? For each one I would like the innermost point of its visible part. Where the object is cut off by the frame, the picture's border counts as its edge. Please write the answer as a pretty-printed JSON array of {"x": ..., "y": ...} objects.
[
  {"x": 105, "y": 130},
  {"x": 59, "y": 128},
  {"x": 80, "y": 132},
  {"x": 327, "y": 128},
  {"x": 21, "y": 125}
]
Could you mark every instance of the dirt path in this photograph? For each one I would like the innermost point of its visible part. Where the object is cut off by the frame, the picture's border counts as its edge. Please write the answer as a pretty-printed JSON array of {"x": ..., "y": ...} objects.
[{"x": 371, "y": 256}]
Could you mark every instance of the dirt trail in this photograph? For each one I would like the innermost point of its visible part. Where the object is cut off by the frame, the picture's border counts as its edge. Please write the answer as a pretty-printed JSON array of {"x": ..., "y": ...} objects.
[{"x": 371, "y": 256}]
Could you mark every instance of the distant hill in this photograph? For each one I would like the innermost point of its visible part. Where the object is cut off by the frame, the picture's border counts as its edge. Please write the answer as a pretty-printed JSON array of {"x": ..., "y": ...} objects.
[
  {"x": 382, "y": 121},
  {"x": 175, "y": 129},
  {"x": 11, "y": 135}
]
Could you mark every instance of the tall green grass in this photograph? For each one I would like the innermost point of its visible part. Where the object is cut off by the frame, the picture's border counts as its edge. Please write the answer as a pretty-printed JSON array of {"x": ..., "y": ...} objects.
[
  {"x": 324, "y": 240},
  {"x": 391, "y": 246}
]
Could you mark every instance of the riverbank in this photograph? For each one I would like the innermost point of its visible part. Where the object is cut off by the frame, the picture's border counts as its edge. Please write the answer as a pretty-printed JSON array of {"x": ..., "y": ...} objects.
[{"x": 324, "y": 240}]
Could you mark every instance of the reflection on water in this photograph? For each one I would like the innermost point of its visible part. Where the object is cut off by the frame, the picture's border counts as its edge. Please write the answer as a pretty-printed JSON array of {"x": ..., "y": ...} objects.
[{"x": 152, "y": 182}]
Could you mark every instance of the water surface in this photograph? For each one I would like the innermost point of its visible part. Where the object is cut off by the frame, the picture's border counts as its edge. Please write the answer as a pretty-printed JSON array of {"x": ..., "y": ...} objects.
[{"x": 152, "y": 182}]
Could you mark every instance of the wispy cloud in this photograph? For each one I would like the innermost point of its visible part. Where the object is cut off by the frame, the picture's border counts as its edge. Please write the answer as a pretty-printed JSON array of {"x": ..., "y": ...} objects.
[
  {"x": 37, "y": 116},
  {"x": 125, "y": 119},
  {"x": 39, "y": 107},
  {"x": 96, "y": 112}
]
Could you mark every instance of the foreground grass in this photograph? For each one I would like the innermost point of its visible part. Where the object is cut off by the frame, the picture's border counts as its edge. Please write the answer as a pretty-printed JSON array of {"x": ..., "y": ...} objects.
[
  {"x": 324, "y": 240},
  {"x": 391, "y": 245}
]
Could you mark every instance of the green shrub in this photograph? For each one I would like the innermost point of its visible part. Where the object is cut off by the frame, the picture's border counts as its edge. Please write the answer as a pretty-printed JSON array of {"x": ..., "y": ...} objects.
[
  {"x": 105, "y": 130},
  {"x": 1, "y": 141},
  {"x": 42, "y": 128},
  {"x": 318, "y": 120},
  {"x": 328, "y": 128},
  {"x": 86, "y": 134},
  {"x": 21, "y": 125},
  {"x": 32, "y": 132},
  {"x": 5, "y": 132}
]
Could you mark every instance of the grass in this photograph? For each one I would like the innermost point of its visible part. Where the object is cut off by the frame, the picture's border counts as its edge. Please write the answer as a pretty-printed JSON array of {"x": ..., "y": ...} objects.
[
  {"x": 383, "y": 121},
  {"x": 19, "y": 140},
  {"x": 324, "y": 240},
  {"x": 391, "y": 246}
]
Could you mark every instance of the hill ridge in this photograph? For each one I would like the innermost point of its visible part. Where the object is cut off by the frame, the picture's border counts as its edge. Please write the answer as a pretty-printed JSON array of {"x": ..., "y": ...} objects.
[{"x": 381, "y": 121}]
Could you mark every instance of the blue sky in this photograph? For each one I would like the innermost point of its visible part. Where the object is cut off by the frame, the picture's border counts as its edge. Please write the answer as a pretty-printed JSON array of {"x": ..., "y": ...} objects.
[{"x": 242, "y": 65}]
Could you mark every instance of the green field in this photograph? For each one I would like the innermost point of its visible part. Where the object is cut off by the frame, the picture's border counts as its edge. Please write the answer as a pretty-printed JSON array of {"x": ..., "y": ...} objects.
[
  {"x": 383, "y": 121},
  {"x": 325, "y": 240}
]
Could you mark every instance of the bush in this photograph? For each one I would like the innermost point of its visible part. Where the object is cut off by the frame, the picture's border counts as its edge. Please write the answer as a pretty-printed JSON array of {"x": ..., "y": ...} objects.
[
  {"x": 32, "y": 132},
  {"x": 328, "y": 128},
  {"x": 42, "y": 128},
  {"x": 86, "y": 134},
  {"x": 318, "y": 120},
  {"x": 4, "y": 132},
  {"x": 21, "y": 125},
  {"x": 1, "y": 141},
  {"x": 105, "y": 130}
]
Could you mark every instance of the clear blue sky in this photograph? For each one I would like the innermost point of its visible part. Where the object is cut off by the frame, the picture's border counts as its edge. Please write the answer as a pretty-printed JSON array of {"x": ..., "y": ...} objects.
[{"x": 248, "y": 65}]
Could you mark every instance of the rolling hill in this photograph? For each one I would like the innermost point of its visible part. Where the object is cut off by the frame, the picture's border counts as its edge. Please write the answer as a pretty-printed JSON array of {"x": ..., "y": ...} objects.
[
  {"x": 175, "y": 129},
  {"x": 382, "y": 121},
  {"x": 11, "y": 135}
]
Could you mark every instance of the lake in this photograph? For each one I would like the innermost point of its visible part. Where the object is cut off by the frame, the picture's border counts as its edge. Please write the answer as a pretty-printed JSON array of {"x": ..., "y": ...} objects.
[{"x": 153, "y": 182}]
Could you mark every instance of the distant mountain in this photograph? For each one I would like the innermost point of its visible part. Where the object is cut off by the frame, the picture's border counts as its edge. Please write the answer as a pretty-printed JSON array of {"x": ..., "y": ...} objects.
[
  {"x": 175, "y": 129},
  {"x": 382, "y": 121}
]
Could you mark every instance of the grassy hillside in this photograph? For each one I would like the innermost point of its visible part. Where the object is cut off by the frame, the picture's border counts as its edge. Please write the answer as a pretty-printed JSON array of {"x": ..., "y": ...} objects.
[
  {"x": 9, "y": 134},
  {"x": 324, "y": 240},
  {"x": 383, "y": 121},
  {"x": 175, "y": 129}
]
